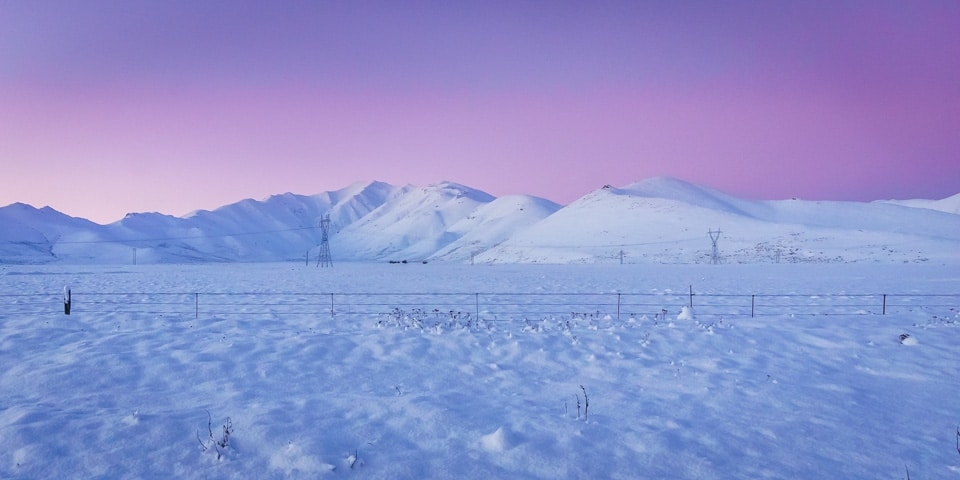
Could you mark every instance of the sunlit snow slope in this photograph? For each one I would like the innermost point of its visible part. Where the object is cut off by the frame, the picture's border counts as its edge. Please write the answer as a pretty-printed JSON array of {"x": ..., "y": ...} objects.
[
  {"x": 658, "y": 220},
  {"x": 668, "y": 220}
]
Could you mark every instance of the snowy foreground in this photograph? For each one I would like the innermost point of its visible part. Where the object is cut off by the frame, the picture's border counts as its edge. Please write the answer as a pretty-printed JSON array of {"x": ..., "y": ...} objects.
[{"x": 126, "y": 392}]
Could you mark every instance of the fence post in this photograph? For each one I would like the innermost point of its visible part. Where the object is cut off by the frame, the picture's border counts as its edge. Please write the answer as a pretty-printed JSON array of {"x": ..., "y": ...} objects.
[
  {"x": 196, "y": 305},
  {"x": 331, "y": 304},
  {"x": 884, "y": 304},
  {"x": 476, "y": 304},
  {"x": 752, "y": 304},
  {"x": 691, "y": 296},
  {"x": 66, "y": 301},
  {"x": 618, "y": 306}
]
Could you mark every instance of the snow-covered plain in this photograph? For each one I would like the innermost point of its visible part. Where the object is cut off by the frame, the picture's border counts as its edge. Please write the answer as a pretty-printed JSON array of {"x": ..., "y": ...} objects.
[{"x": 127, "y": 390}]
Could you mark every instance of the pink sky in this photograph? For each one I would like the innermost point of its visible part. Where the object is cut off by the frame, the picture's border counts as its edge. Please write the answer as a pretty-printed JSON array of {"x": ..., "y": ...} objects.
[{"x": 110, "y": 107}]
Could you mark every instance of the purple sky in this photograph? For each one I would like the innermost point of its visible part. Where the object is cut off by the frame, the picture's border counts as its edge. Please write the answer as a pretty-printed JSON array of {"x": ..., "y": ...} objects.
[{"x": 109, "y": 107}]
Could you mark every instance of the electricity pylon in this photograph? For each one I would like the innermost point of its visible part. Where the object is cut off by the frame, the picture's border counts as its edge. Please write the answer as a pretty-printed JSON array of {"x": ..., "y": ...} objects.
[
  {"x": 715, "y": 255},
  {"x": 324, "y": 259}
]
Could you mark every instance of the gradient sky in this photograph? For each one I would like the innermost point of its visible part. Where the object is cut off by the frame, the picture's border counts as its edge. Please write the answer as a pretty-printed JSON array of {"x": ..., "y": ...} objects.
[{"x": 109, "y": 107}]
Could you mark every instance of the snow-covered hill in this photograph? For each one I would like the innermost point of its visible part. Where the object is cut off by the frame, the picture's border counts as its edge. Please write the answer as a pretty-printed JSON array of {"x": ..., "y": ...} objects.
[
  {"x": 493, "y": 223},
  {"x": 413, "y": 225},
  {"x": 32, "y": 235},
  {"x": 666, "y": 220},
  {"x": 950, "y": 204},
  {"x": 658, "y": 220}
]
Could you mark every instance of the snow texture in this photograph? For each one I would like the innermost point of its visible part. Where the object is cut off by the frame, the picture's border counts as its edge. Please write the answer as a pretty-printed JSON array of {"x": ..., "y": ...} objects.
[{"x": 122, "y": 391}]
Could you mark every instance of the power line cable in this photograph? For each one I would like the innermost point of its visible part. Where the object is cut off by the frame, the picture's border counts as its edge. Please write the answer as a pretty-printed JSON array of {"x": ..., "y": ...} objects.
[{"x": 158, "y": 239}]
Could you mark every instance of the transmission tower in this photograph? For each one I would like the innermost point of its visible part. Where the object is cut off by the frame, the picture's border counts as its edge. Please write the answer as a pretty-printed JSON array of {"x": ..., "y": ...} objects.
[
  {"x": 324, "y": 259},
  {"x": 715, "y": 255}
]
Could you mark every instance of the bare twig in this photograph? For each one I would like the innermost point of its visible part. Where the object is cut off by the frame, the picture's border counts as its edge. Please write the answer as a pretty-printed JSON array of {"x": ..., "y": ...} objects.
[
  {"x": 586, "y": 402},
  {"x": 224, "y": 440},
  {"x": 227, "y": 430}
]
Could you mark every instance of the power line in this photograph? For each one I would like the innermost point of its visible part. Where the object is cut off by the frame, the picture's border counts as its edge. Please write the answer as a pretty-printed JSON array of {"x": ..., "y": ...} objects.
[
  {"x": 604, "y": 245},
  {"x": 159, "y": 239}
]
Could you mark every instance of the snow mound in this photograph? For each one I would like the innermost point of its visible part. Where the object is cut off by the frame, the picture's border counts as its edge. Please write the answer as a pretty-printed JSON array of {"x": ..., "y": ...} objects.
[
  {"x": 686, "y": 313},
  {"x": 907, "y": 339},
  {"x": 292, "y": 459},
  {"x": 495, "y": 442}
]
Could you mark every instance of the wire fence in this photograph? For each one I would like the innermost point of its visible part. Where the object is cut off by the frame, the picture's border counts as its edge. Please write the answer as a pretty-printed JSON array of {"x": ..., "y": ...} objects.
[{"x": 481, "y": 306}]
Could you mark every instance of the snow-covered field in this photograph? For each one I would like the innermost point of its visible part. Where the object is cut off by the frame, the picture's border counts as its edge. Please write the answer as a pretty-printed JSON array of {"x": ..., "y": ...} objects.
[{"x": 114, "y": 391}]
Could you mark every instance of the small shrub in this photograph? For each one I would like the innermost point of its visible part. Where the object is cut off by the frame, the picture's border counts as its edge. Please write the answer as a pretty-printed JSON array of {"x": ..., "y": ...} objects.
[{"x": 217, "y": 444}]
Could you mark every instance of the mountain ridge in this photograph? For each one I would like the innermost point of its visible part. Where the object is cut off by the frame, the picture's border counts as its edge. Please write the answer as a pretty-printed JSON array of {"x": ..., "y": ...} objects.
[{"x": 661, "y": 219}]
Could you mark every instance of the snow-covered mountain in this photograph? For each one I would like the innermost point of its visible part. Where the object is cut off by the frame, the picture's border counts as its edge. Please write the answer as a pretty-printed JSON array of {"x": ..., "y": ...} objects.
[
  {"x": 661, "y": 220},
  {"x": 29, "y": 234},
  {"x": 413, "y": 225},
  {"x": 667, "y": 220},
  {"x": 369, "y": 222}
]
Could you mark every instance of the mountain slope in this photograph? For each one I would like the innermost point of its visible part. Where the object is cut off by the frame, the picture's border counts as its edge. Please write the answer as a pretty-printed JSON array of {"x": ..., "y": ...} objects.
[
  {"x": 665, "y": 220},
  {"x": 660, "y": 219},
  {"x": 39, "y": 235},
  {"x": 412, "y": 226},
  {"x": 669, "y": 188},
  {"x": 948, "y": 205},
  {"x": 279, "y": 227},
  {"x": 492, "y": 223}
]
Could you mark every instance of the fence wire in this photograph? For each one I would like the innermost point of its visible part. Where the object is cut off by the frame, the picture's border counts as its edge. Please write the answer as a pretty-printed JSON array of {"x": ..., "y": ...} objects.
[{"x": 488, "y": 306}]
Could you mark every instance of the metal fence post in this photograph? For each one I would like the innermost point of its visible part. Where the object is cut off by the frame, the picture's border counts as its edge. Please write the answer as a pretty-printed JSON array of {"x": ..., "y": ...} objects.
[
  {"x": 67, "y": 301},
  {"x": 618, "y": 306},
  {"x": 752, "y": 304},
  {"x": 884, "y": 304}
]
